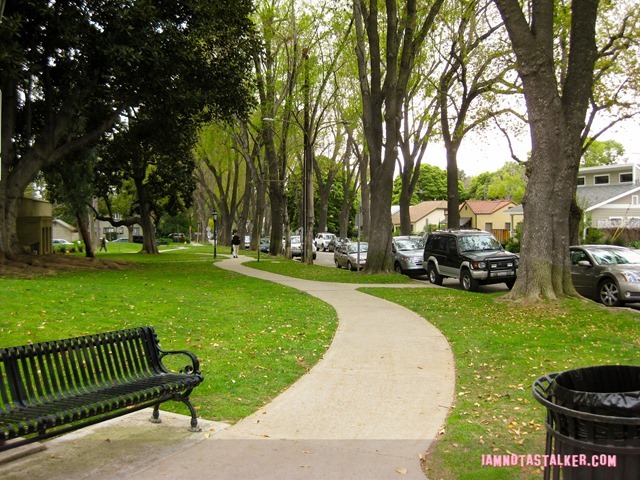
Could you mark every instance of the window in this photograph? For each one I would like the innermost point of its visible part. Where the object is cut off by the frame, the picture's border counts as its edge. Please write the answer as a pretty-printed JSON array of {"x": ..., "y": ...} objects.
[
  {"x": 615, "y": 221},
  {"x": 601, "y": 179},
  {"x": 581, "y": 181},
  {"x": 626, "y": 177}
]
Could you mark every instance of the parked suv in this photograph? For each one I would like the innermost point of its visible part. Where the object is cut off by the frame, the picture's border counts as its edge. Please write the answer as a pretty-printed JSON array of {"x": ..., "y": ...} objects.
[
  {"x": 472, "y": 256},
  {"x": 322, "y": 241}
]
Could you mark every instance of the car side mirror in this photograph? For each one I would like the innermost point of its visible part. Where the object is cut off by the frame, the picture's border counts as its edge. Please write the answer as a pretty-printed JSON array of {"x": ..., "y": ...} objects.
[{"x": 584, "y": 263}]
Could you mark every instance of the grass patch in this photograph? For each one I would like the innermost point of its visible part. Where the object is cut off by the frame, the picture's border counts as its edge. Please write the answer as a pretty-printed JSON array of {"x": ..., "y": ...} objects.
[
  {"x": 500, "y": 349},
  {"x": 297, "y": 269},
  {"x": 253, "y": 338}
]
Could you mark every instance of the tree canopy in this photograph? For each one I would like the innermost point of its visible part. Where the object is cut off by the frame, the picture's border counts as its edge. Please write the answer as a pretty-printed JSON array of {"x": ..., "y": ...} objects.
[{"x": 69, "y": 71}]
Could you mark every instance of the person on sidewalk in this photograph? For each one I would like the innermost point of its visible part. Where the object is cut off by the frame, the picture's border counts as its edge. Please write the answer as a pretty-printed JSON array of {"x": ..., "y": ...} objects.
[{"x": 235, "y": 243}]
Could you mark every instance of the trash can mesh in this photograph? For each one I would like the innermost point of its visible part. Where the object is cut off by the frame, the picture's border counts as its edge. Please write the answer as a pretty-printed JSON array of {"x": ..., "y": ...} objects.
[{"x": 593, "y": 411}]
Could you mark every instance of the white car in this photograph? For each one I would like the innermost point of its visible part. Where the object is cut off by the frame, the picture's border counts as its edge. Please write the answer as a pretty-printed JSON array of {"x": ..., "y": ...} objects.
[
  {"x": 61, "y": 241},
  {"x": 322, "y": 241},
  {"x": 296, "y": 247}
]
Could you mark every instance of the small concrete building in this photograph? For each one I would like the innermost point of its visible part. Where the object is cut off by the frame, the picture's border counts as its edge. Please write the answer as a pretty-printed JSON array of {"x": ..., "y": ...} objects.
[{"x": 34, "y": 225}]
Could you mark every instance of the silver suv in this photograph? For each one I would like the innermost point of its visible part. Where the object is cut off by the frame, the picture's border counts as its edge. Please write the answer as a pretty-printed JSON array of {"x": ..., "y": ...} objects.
[
  {"x": 322, "y": 241},
  {"x": 474, "y": 257},
  {"x": 407, "y": 254}
]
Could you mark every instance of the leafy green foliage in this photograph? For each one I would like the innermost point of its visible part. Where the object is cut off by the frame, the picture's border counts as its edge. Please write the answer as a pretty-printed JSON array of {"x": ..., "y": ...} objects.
[
  {"x": 509, "y": 182},
  {"x": 602, "y": 153},
  {"x": 431, "y": 185}
]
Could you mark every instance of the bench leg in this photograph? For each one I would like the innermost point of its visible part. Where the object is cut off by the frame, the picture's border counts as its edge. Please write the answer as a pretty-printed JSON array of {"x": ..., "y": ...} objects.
[
  {"x": 155, "y": 417},
  {"x": 194, "y": 417}
]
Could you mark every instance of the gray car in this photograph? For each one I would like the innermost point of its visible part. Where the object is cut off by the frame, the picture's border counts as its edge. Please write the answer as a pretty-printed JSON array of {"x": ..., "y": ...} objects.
[
  {"x": 347, "y": 256},
  {"x": 408, "y": 255},
  {"x": 607, "y": 273}
]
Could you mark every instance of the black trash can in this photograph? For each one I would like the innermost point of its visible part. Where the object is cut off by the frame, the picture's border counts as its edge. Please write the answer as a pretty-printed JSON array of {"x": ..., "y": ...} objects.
[{"x": 592, "y": 423}]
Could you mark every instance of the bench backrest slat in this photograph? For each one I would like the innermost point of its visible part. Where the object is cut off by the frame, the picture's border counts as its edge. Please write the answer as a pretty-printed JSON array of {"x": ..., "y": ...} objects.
[{"x": 31, "y": 374}]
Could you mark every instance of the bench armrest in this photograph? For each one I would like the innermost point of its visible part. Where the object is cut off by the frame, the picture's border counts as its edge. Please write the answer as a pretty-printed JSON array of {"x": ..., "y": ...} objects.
[{"x": 193, "y": 369}]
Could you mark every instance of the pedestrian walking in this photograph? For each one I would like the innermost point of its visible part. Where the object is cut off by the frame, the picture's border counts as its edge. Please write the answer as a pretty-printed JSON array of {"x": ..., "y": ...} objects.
[
  {"x": 235, "y": 243},
  {"x": 103, "y": 244}
]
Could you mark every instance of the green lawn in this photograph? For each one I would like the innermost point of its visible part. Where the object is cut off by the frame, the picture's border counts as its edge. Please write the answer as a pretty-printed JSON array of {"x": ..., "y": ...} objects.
[
  {"x": 500, "y": 349},
  {"x": 255, "y": 338}
]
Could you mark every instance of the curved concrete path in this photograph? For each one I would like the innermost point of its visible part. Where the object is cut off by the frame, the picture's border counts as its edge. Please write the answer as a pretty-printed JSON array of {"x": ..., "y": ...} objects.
[{"x": 368, "y": 410}]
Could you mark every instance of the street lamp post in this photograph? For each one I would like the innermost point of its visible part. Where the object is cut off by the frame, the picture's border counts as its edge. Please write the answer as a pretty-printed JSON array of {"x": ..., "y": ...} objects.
[{"x": 214, "y": 214}]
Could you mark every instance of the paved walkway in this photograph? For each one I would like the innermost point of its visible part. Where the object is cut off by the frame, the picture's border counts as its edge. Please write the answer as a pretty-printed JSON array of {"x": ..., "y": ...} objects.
[{"x": 367, "y": 410}]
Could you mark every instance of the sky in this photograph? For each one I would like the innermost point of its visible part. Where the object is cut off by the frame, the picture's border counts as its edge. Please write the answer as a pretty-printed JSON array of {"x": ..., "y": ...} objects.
[{"x": 489, "y": 151}]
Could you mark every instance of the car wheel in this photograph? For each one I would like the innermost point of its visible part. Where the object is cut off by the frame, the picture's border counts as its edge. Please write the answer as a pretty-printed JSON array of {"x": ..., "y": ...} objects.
[
  {"x": 609, "y": 293},
  {"x": 397, "y": 268},
  {"x": 350, "y": 266},
  {"x": 434, "y": 276},
  {"x": 469, "y": 283},
  {"x": 337, "y": 263}
]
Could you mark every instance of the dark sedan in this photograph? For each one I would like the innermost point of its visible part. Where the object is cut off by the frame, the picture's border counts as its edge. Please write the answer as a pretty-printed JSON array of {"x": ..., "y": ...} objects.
[{"x": 607, "y": 273}]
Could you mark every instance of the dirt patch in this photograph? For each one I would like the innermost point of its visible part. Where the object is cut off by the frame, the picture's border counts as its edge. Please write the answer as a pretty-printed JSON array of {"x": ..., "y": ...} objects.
[{"x": 29, "y": 266}]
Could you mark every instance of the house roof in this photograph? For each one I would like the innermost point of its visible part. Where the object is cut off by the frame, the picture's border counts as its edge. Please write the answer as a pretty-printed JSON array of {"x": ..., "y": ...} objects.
[
  {"x": 590, "y": 197},
  {"x": 421, "y": 210},
  {"x": 616, "y": 167},
  {"x": 517, "y": 210},
  {"x": 64, "y": 224},
  {"x": 487, "y": 207}
]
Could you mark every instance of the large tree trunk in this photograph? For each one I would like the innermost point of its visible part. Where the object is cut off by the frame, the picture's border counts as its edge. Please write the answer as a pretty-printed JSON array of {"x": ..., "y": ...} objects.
[
  {"x": 556, "y": 122},
  {"x": 85, "y": 233},
  {"x": 453, "y": 195},
  {"x": 149, "y": 244},
  {"x": 384, "y": 73}
]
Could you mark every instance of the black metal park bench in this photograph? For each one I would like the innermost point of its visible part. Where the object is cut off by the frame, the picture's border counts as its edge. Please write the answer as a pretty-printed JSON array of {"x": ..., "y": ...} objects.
[{"x": 50, "y": 388}]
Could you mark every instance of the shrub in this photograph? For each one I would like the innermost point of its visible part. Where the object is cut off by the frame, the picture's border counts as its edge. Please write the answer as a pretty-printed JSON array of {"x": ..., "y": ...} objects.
[{"x": 594, "y": 236}]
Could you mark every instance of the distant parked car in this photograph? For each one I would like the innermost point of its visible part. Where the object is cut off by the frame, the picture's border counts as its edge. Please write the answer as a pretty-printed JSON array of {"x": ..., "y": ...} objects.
[
  {"x": 607, "y": 273},
  {"x": 296, "y": 247},
  {"x": 337, "y": 241},
  {"x": 61, "y": 241},
  {"x": 264, "y": 244},
  {"x": 247, "y": 242},
  {"x": 347, "y": 255},
  {"x": 408, "y": 252},
  {"x": 322, "y": 241},
  {"x": 121, "y": 240}
]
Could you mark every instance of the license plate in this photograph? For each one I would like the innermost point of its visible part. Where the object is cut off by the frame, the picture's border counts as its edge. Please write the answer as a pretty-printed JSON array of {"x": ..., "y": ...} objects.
[{"x": 502, "y": 274}]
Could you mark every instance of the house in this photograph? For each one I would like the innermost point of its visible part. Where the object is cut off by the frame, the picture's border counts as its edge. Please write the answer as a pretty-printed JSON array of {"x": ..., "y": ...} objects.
[
  {"x": 424, "y": 215},
  {"x": 609, "y": 196},
  {"x": 517, "y": 217},
  {"x": 488, "y": 215},
  {"x": 64, "y": 231}
]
